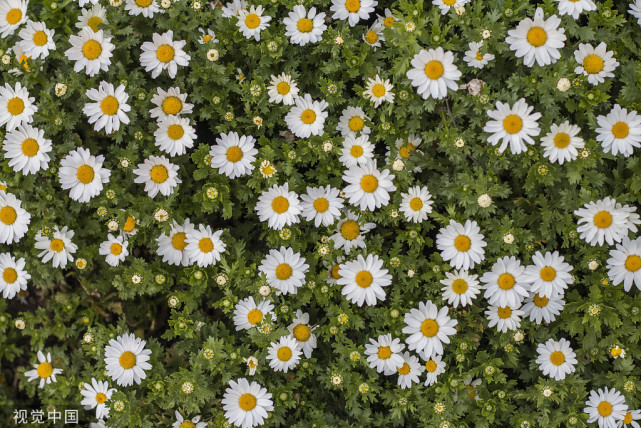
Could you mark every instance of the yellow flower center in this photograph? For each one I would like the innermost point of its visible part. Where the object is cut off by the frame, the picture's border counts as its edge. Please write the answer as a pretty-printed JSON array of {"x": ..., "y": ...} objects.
[
  {"x": 604, "y": 408},
  {"x": 506, "y": 281},
  {"x": 371, "y": 37},
  {"x": 479, "y": 57},
  {"x": 350, "y": 230},
  {"x": 537, "y": 36},
  {"x": 431, "y": 366},
  {"x": 100, "y": 398},
  {"x": 45, "y": 370},
  {"x": 93, "y": 23},
  {"x": 234, "y": 154},
  {"x": 165, "y": 53},
  {"x": 207, "y": 38},
  {"x": 283, "y": 271},
  {"x": 127, "y": 360},
  {"x": 592, "y": 64},
  {"x": 356, "y": 151},
  {"x": 389, "y": 21},
  {"x": 603, "y": 219},
  {"x": 548, "y": 273},
  {"x": 308, "y": 116},
  {"x": 321, "y": 205},
  {"x": 172, "y": 105},
  {"x": 459, "y": 286},
  {"x": 8, "y": 215},
  {"x": 416, "y": 204},
  {"x": 57, "y": 245},
  {"x": 462, "y": 243},
  {"x": 252, "y": 21},
  {"x": 369, "y": 183},
  {"x": 429, "y": 328},
  {"x": 633, "y": 263},
  {"x": 434, "y": 69},
  {"x": 130, "y": 223},
  {"x": 615, "y": 351},
  {"x": 305, "y": 25},
  {"x": 356, "y": 124},
  {"x": 15, "y": 106},
  {"x": 353, "y": 6},
  {"x": 205, "y": 245},
  {"x": 302, "y": 333},
  {"x": 40, "y": 38},
  {"x": 406, "y": 150},
  {"x": 384, "y": 352},
  {"x": 91, "y": 49},
  {"x": 449, "y": 2},
  {"x": 159, "y": 174},
  {"x": 541, "y": 301},
  {"x": 284, "y": 353},
  {"x": 247, "y": 402},
  {"x": 405, "y": 369},
  {"x": 9, "y": 275},
  {"x": 280, "y": 204},
  {"x": 187, "y": 424},
  {"x": 254, "y": 316},
  {"x": 14, "y": 16},
  {"x": 283, "y": 88},
  {"x": 143, "y": 3},
  {"x": 175, "y": 132},
  {"x": 334, "y": 271},
  {"x": 557, "y": 358},
  {"x": 378, "y": 90},
  {"x": 115, "y": 249},
  {"x": 561, "y": 140},
  {"x": 364, "y": 279},
  {"x": 504, "y": 312},
  {"x": 620, "y": 130},
  {"x": 628, "y": 418},
  {"x": 109, "y": 105},
  {"x": 512, "y": 124},
  {"x": 85, "y": 174},
  {"x": 30, "y": 147},
  {"x": 178, "y": 241}
]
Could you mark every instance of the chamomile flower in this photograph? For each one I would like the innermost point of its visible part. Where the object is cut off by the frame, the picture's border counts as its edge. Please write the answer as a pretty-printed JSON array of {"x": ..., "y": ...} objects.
[
  {"x": 109, "y": 107},
  {"x": 16, "y": 106},
  {"x": 13, "y": 275},
  {"x": 549, "y": 274},
  {"x": 278, "y": 207},
  {"x": 304, "y": 27},
  {"x": 474, "y": 57},
  {"x": 416, "y": 204},
  {"x": 374, "y": 35},
  {"x": 596, "y": 63},
  {"x": 234, "y": 155},
  {"x": 506, "y": 283},
  {"x": 321, "y": 204},
  {"x": 172, "y": 247},
  {"x": 368, "y": 187},
  {"x": 624, "y": 264},
  {"x": 83, "y": 174},
  {"x": 251, "y": 22},
  {"x": 363, "y": 280},
  {"x": 164, "y": 53},
  {"x": 145, "y": 7},
  {"x": 14, "y": 220},
  {"x": 233, "y": 8},
  {"x": 619, "y": 131},
  {"x": 174, "y": 135},
  {"x": 204, "y": 247},
  {"x": 206, "y": 36},
  {"x": 352, "y": 122},
  {"x": 384, "y": 354},
  {"x": 433, "y": 367},
  {"x": 95, "y": 395},
  {"x": 635, "y": 10},
  {"x": 537, "y": 40},
  {"x": 378, "y": 90},
  {"x": 246, "y": 405},
  {"x": 446, "y": 5},
  {"x": 127, "y": 359},
  {"x": 170, "y": 103},
  {"x": 300, "y": 330},
  {"x": 630, "y": 418},
  {"x": 541, "y": 308},
  {"x": 158, "y": 174},
  {"x": 56, "y": 246},
  {"x": 562, "y": 143},
  {"x": 356, "y": 151},
  {"x": 284, "y": 270},
  {"x": 27, "y": 149},
  {"x": 248, "y": 313},
  {"x": 388, "y": 20},
  {"x": 461, "y": 245},
  {"x": 92, "y": 18},
  {"x": 574, "y": 8},
  {"x": 410, "y": 371},
  {"x": 433, "y": 73},
  {"x": 428, "y": 328},
  {"x": 504, "y": 317},
  {"x": 601, "y": 221},
  {"x": 514, "y": 126},
  {"x": 13, "y": 13},
  {"x": 43, "y": 370},
  {"x": 556, "y": 359},
  {"x": 605, "y": 407},
  {"x": 115, "y": 248},
  {"x": 284, "y": 355},
  {"x": 282, "y": 89},
  {"x": 460, "y": 288},
  {"x": 307, "y": 117},
  {"x": 182, "y": 422},
  {"x": 36, "y": 40},
  {"x": 350, "y": 233},
  {"x": 352, "y": 10},
  {"x": 91, "y": 50}
]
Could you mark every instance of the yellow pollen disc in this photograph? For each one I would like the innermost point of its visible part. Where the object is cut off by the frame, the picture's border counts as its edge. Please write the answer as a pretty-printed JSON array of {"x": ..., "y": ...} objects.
[
  {"x": 15, "y": 106},
  {"x": 449, "y": 2},
  {"x": 628, "y": 418},
  {"x": 633, "y": 263},
  {"x": 207, "y": 38},
  {"x": 434, "y": 69},
  {"x": 280, "y": 204},
  {"x": 389, "y": 21},
  {"x": 321, "y": 205},
  {"x": 620, "y": 130},
  {"x": 308, "y": 116},
  {"x": 3, "y": 188},
  {"x": 356, "y": 124},
  {"x": 85, "y": 174},
  {"x": 247, "y": 402},
  {"x": 9, "y": 275},
  {"x": 557, "y": 358},
  {"x": 115, "y": 249},
  {"x": 429, "y": 328},
  {"x": 93, "y": 23},
  {"x": 369, "y": 183},
  {"x": 431, "y": 366},
  {"x": 91, "y": 49},
  {"x": 471, "y": 393},
  {"x": 479, "y": 57},
  {"x": 462, "y": 243},
  {"x": 187, "y": 424},
  {"x": 178, "y": 241},
  {"x": 305, "y": 25},
  {"x": 405, "y": 369},
  {"x": 352, "y": 6},
  {"x": 512, "y": 124},
  {"x": 159, "y": 174},
  {"x": 334, "y": 272},
  {"x": 459, "y": 286},
  {"x": 45, "y": 370},
  {"x": 350, "y": 230},
  {"x": 302, "y": 333},
  {"x": 284, "y": 354},
  {"x": 57, "y": 245},
  {"x": 254, "y": 316},
  {"x": 602, "y": 219},
  {"x": 364, "y": 279},
  {"x": 406, "y": 150},
  {"x": 592, "y": 64},
  {"x": 604, "y": 408},
  {"x": 384, "y": 352},
  {"x": 40, "y": 38},
  {"x": 252, "y": 21},
  {"x": 504, "y": 313},
  {"x": 371, "y": 37},
  {"x": 109, "y": 105},
  {"x": 378, "y": 90},
  {"x": 100, "y": 398},
  {"x": 130, "y": 223},
  {"x": 615, "y": 351},
  {"x": 283, "y": 271},
  {"x": 127, "y": 360},
  {"x": 506, "y": 281},
  {"x": 548, "y": 273},
  {"x": 537, "y": 36},
  {"x": 206, "y": 245},
  {"x": 283, "y": 88},
  {"x": 165, "y": 53},
  {"x": 356, "y": 151},
  {"x": 561, "y": 140},
  {"x": 143, "y": 3},
  {"x": 234, "y": 154},
  {"x": 30, "y": 147},
  {"x": 14, "y": 16},
  {"x": 175, "y": 132},
  {"x": 541, "y": 302},
  {"x": 416, "y": 204},
  {"x": 172, "y": 105}
]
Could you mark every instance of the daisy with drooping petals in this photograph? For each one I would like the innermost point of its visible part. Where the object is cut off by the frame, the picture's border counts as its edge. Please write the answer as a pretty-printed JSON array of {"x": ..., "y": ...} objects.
[
  {"x": 14, "y": 220},
  {"x": 541, "y": 308},
  {"x": 56, "y": 246},
  {"x": 36, "y": 40},
  {"x": 83, "y": 174},
  {"x": 433, "y": 73},
  {"x": 16, "y": 107},
  {"x": 27, "y": 149},
  {"x": 635, "y": 10},
  {"x": 505, "y": 285},
  {"x": 460, "y": 288},
  {"x": 350, "y": 233},
  {"x": 410, "y": 371},
  {"x": 406, "y": 148},
  {"x": 44, "y": 370},
  {"x": 246, "y": 405},
  {"x": 284, "y": 270},
  {"x": 384, "y": 354},
  {"x": 514, "y": 126},
  {"x": 461, "y": 245},
  {"x": 562, "y": 143},
  {"x": 204, "y": 247},
  {"x": 433, "y": 367},
  {"x": 321, "y": 204},
  {"x": 248, "y": 313},
  {"x": 363, "y": 280},
  {"x": 145, "y": 7},
  {"x": 378, "y": 90},
  {"x": 352, "y": 122},
  {"x": 282, "y": 89},
  {"x": 170, "y": 103},
  {"x": 164, "y": 53},
  {"x": 549, "y": 274},
  {"x": 91, "y": 50},
  {"x": 416, "y": 204},
  {"x": 446, "y": 5},
  {"x": 251, "y": 22},
  {"x": 207, "y": 36},
  {"x": 233, "y": 8},
  {"x": 95, "y": 395},
  {"x": 356, "y": 151},
  {"x": 109, "y": 108},
  {"x": 284, "y": 355},
  {"x": 92, "y": 18},
  {"x": 368, "y": 187},
  {"x": 428, "y": 328},
  {"x": 158, "y": 174},
  {"x": 278, "y": 207},
  {"x": 174, "y": 135},
  {"x": 605, "y": 407},
  {"x": 537, "y": 40},
  {"x": 619, "y": 131},
  {"x": 596, "y": 63},
  {"x": 374, "y": 35},
  {"x": 304, "y": 27},
  {"x": 352, "y": 10},
  {"x": 126, "y": 359},
  {"x": 115, "y": 248},
  {"x": 233, "y": 155},
  {"x": 388, "y": 20},
  {"x": 300, "y": 330},
  {"x": 13, "y": 13},
  {"x": 307, "y": 117},
  {"x": 13, "y": 277},
  {"x": 624, "y": 264},
  {"x": 601, "y": 221},
  {"x": 182, "y": 422},
  {"x": 172, "y": 247},
  {"x": 574, "y": 8},
  {"x": 504, "y": 317},
  {"x": 556, "y": 359},
  {"x": 474, "y": 57}
]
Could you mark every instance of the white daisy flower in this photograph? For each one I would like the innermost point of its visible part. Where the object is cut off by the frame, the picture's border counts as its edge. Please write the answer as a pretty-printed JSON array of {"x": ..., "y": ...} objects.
[
  {"x": 91, "y": 50},
  {"x": 446, "y": 5},
  {"x": 605, "y": 407},
  {"x": 630, "y": 418},
  {"x": 278, "y": 207},
  {"x": 374, "y": 35},
  {"x": 506, "y": 284},
  {"x": 562, "y": 143},
  {"x": 428, "y": 328},
  {"x": 170, "y": 103},
  {"x": 433, "y": 367},
  {"x": 284, "y": 355},
  {"x": 16, "y": 107},
  {"x": 27, "y": 149},
  {"x": 304, "y": 27},
  {"x": 514, "y": 126},
  {"x": 204, "y": 247},
  {"x": 246, "y": 405},
  {"x": 596, "y": 63},
  {"x": 126, "y": 359},
  {"x": 109, "y": 108},
  {"x": 44, "y": 370},
  {"x": 92, "y": 18},
  {"x": 14, "y": 220},
  {"x": 115, "y": 248},
  {"x": 378, "y": 90},
  {"x": 433, "y": 73},
  {"x": 321, "y": 204},
  {"x": 416, "y": 204},
  {"x": 363, "y": 280},
  {"x": 352, "y": 122},
  {"x": 36, "y": 40},
  {"x": 356, "y": 151},
  {"x": 56, "y": 247},
  {"x": 233, "y": 155},
  {"x": 461, "y": 245},
  {"x": 388, "y": 20},
  {"x": 182, "y": 422},
  {"x": 352, "y": 10},
  {"x": 145, "y": 7},
  {"x": 537, "y": 40},
  {"x": 307, "y": 117},
  {"x": 350, "y": 233},
  {"x": 284, "y": 270},
  {"x": 604, "y": 220},
  {"x": 83, "y": 174},
  {"x": 504, "y": 317},
  {"x": 174, "y": 135},
  {"x": 410, "y": 371},
  {"x": 233, "y": 8},
  {"x": 384, "y": 354},
  {"x": 460, "y": 288},
  {"x": 368, "y": 187},
  {"x": 470, "y": 385},
  {"x": 624, "y": 264},
  {"x": 474, "y": 57},
  {"x": 300, "y": 330},
  {"x": 619, "y": 131},
  {"x": 574, "y": 8},
  {"x": 14, "y": 277},
  {"x": 549, "y": 274},
  {"x": 13, "y": 13},
  {"x": 207, "y": 36},
  {"x": 282, "y": 89},
  {"x": 158, "y": 174},
  {"x": 635, "y": 10},
  {"x": 556, "y": 359},
  {"x": 172, "y": 247},
  {"x": 164, "y": 53},
  {"x": 81, "y": 3},
  {"x": 541, "y": 308},
  {"x": 251, "y": 22},
  {"x": 248, "y": 313},
  {"x": 95, "y": 395}
]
